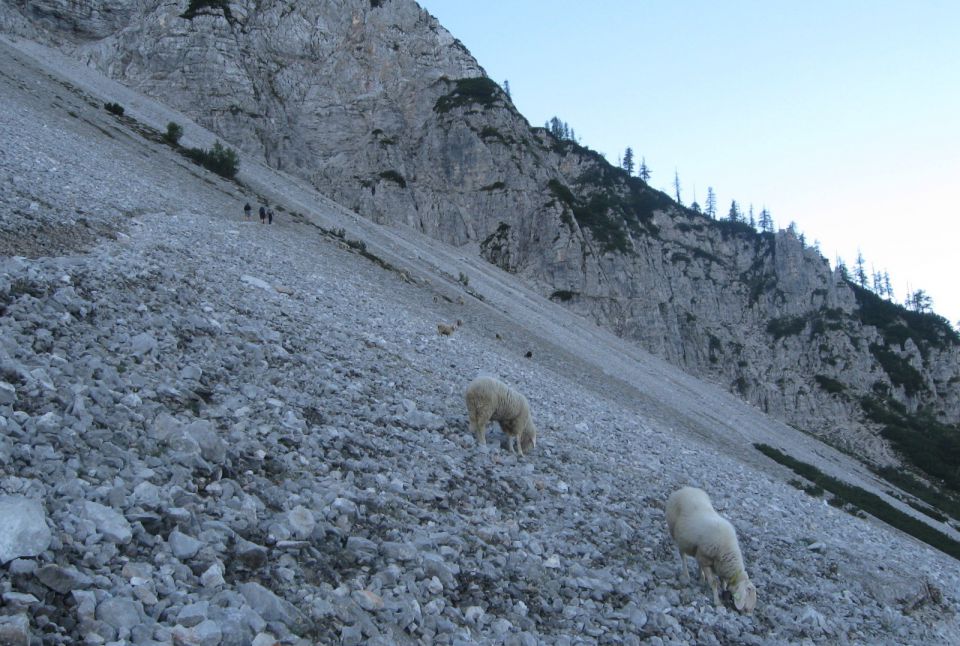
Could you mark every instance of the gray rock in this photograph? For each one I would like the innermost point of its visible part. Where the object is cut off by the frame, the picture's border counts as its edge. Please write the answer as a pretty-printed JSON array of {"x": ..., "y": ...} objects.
[
  {"x": 270, "y": 606},
  {"x": 15, "y": 630},
  {"x": 120, "y": 612},
  {"x": 301, "y": 522},
  {"x": 143, "y": 344},
  {"x": 205, "y": 633},
  {"x": 212, "y": 447},
  {"x": 109, "y": 522},
  {"x": 8, "y": 394},
  {"x": 363, "y": 549},
  {"x": 251, "y": 554},
  {"x": 367, "y": 600},
  {"x": 184, "y": 547},
  {"x": 192, "y": 614},
  {"x": 24, "y": 532},
  {"x": 63, "y": 579},
  {"x": 394, "y": 551}
]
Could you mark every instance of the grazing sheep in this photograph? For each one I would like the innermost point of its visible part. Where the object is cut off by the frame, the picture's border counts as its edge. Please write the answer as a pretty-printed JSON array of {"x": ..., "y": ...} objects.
[
  {"x": 491, "y": 400},
  {"x": 702, "y": 533}
]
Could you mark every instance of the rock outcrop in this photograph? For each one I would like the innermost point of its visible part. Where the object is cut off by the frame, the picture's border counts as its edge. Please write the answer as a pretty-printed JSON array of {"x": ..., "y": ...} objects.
[{"x": 386, "y": 112}]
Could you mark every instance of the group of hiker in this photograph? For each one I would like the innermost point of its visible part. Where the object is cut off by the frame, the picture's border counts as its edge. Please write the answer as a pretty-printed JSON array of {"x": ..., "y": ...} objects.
[{"x": 266, "y": 215}]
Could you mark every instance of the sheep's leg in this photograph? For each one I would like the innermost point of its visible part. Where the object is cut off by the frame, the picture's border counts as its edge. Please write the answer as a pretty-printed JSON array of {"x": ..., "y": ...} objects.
[
  {"x": 478, "y": 424},
  {"x": 684, "y": 575},
  {"x": 711, "y": 579}
]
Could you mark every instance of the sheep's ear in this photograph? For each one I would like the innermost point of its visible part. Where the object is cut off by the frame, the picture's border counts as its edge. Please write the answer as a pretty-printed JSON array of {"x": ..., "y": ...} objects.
[{"x": 745, "y": 598}]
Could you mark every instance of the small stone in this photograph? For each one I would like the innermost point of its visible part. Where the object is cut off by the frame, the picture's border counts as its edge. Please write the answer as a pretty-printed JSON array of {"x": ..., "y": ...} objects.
[
  {"x": 192, "y": 614},
  {"x": 362, "y": 548},
  {"x": 301, "y": 522},
  {"x": 473, "y": 614},
  {"x": 251, "y": 554},
  {"x": 367, "y": 600},
  {"x": 501, "y": 626},
  {"x": 398, "y": 551},
  {"x": 183, "y": 547},
  {"x": 264, "y": 639},
  {"x": 213, "y": 576},
  {"x": 351, "y": 635},
  {"x": 270, "y": 606},
  {"x": 206, "y": 633},
  {"x": 142, "y": 344},
  {"x": 8, "y": 394}
]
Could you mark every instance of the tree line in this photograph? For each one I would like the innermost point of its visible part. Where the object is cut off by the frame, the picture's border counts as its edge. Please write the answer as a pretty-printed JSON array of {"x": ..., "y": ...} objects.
[{"x": 876, "y": 281}]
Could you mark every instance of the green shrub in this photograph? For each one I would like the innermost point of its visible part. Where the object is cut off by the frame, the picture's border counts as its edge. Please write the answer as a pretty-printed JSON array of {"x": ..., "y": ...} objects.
[
  {"x": 786, "y": 326},
  {"x": 464, "y": 279},
  {"x": 899, "y": 370},
  {"x": 931, "y": 446},
  {"x": 831, "y": 386},
  {"x": 199, "y": 7},
  {"x": 173, "y": 134},
  {"x": 220, "y": 160},
  {"x": 114, "y": 108},
  {"x": 942, "y": 500},
  {"x": 562, "y": 193},
  {"x": 896, "y": 323},
  {"x": 563, "y": 295},
  {"x": 479, "y": 91},
  {"x": 845, "y": 493},
  {"x": 395, "y": 177}
]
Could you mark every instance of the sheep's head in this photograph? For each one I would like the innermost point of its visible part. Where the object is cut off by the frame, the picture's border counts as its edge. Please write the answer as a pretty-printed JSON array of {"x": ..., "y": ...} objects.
[
  {"x": 528, "y": 438},
  {"x": 745, "y": 596}
]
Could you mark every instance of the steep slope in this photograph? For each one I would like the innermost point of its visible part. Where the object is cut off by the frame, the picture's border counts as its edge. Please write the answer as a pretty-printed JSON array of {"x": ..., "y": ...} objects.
[
  {"x": 384, "y": 111},
  {"x": 235, "y": 432}
]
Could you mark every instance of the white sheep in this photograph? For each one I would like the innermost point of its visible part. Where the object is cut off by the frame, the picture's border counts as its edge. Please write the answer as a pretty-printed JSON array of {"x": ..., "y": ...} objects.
[
  {"x": 704, "y": 534},
  {"x": 491, "y": 400}
]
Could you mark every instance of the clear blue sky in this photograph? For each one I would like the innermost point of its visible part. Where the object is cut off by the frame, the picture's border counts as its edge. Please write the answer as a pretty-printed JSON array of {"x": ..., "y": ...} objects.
[{"x": 840, "y": 115}]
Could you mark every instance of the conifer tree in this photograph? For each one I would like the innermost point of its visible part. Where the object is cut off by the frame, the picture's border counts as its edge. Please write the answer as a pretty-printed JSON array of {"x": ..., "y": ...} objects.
[
  {"x": 766, "y": 221},
  {"x": 628, "y": 160},
  {"x": 920, "y": 301},
  {"x": 644, "y": 171},
  {"x": 734, "y": 214},
  {"x": 859, "y": 271},
  {"x": 506, "y": 89},
  {"x": 750, "y": 220},
  {"x": 676, "y": 186},
  {"x": 711, "y": 203},
  {"x": 887, "y": 287},
  {"x": 842, "y": 268}
]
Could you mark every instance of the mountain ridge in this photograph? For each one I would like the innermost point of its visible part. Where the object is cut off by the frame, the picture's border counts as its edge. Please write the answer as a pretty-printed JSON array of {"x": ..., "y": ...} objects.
[
  {"x": 238, "y": 431},
  {"x": 387, "y": 113}
]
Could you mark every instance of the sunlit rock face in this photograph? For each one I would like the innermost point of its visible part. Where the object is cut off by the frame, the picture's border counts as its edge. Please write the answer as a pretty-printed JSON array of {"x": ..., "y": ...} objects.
[{"x": 376, "y": 104}]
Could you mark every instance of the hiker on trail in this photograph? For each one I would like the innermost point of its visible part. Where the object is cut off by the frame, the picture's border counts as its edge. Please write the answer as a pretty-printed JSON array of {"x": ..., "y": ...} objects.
[
  {"x": 269, "y": 216},
  {"x": 246, "y": 211},
  {"x": 263, "y": 215}
]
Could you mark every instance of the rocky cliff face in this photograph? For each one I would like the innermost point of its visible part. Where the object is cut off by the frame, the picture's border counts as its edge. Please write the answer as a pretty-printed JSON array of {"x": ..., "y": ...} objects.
[{"x": 381, "y": 108}]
